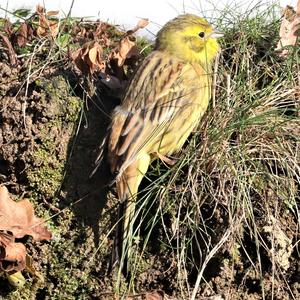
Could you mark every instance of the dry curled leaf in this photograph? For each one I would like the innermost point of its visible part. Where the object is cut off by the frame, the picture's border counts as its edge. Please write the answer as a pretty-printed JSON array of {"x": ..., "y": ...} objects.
[
  {"x": 12, "y": 255},
  {"x": 154, "y": 295},
  {"x": 23, "y": 34},
  {"x": 157, "y": 295},
  {"x": 88, "y": 58},
  {"x": 126, "y": 50},
  {"x": 289, "y": 29},
  {"x": 46, "y": 27},
  {"x": 19, "y": 218},
  {"x": 11, "y": 52},
  {"x": 142, "y": 23}
]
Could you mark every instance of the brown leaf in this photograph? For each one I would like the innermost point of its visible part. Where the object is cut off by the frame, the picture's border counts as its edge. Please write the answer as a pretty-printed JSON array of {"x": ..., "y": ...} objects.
[
  {"x": 52, "y": 13},
  {"x": 23, "y": 34},
  {"x": 126, "y": 52},
  {"x": 12, "y": 255},
  {"x": 142, "y": 23},
  {"x": 289, "y": 29},
  {"x": 46, "y": 27},
  {"x": 40, "y": 9},
  {"x": 79, "y": 62},
  {"x": 8, "y": 28},
  {"x": 154, "y": 296},
  {"x": 19, "y": 218},
  {"x": 88, "y": 58},
  {"x": 125, "y": 49},
  {"x": 93, "y": 55},
  {"x": 11, "y": 52}
]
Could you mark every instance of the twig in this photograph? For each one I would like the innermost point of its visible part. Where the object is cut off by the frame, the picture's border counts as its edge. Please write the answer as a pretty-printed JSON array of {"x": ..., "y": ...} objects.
[{"x": 207, "y": 259}]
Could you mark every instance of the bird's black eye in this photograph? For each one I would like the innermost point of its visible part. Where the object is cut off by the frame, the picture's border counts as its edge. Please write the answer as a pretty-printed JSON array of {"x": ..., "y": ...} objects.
[{"x": 201, "y": 34}]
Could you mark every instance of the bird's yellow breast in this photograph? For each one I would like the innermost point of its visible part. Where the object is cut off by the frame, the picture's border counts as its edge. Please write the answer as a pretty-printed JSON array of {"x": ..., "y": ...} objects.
[{"x": 197, "y": 90}]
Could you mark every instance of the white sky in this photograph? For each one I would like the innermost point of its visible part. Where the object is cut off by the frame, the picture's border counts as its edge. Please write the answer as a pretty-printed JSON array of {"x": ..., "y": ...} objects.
[{"x": 127, "y": 12}]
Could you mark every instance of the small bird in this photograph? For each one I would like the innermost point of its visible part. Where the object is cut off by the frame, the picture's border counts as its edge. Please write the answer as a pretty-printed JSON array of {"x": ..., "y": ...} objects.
[{"x": 162, "y": 105}]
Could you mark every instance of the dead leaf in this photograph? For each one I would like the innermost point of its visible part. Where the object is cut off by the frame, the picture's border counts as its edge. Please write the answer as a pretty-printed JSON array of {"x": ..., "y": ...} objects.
[
  {"x": 157, "y": 295},
  {"x": 23, "y": 34},
  {"x": 126, "y": 50},
  {"x": 11, "y": 52},
  {"x": 31, "y": 268},
  {"x": 142, "y": 23},
  {"x": 40, "y": 9},
  {"x": 8, "y": 28},
  {"x": 46, "y": 27},
  {"x": 289, "y": 29},
  {"x": 93, "y": 55},
  {"x": 52, "y": 13},
  {"x": 12, "y": 255},
  {"x": 19, "y": 218},
  {"x": 88, "y": 58}
]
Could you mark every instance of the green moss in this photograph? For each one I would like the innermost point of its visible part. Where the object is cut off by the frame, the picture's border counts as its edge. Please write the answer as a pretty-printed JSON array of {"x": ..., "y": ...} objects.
[
  {"x": 49, "y": 156},
  {"x": 46, "y": 180}
]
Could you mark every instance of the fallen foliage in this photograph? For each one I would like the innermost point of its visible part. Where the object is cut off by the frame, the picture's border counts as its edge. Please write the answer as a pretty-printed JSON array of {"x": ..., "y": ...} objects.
[
  {"x": 153, "y": 295},
  {"x": 24, "y": 34},
  {"x": 46, "y": 26},
  {"x": 12, "y": 255},
  {"x": 289, "y": 29},
  {"x": 89, "y": 58},
  {"x": 126, "y": 49},
  {"x": 11, "y": 52},
  {"x": 18, "y": 219}
]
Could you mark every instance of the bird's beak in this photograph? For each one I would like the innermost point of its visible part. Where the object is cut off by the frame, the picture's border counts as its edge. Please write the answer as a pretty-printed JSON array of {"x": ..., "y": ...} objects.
[{"x": 216, "y": 34}]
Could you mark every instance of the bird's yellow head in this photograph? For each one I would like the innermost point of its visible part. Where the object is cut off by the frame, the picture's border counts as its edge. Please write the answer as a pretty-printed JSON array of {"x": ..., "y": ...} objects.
[{"x": 189, "y": 38}]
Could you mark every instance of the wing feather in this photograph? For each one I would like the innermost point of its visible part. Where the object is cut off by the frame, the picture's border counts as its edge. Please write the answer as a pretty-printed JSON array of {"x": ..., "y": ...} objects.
[{"x": 144, "y": 116}]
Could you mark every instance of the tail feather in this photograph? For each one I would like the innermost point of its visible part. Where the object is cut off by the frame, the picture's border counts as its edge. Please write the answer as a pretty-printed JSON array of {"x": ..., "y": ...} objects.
[{"x": 127, "y": 187}]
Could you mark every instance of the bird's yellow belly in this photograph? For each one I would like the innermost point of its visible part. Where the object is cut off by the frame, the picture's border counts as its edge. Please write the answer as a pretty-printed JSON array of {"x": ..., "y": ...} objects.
[{"x": 178, "y": 129}]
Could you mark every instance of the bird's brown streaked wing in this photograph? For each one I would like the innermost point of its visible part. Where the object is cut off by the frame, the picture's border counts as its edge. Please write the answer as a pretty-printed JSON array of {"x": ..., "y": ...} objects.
[{"x": 145, "y": 113}]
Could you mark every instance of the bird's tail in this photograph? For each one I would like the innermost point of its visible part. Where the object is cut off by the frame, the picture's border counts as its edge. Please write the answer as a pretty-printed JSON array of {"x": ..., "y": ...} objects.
[{"x": 127, "y": 188}]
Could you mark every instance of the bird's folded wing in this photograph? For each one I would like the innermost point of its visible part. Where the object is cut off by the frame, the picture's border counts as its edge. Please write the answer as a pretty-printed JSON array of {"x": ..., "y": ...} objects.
[{"x": 156, "y": 95}]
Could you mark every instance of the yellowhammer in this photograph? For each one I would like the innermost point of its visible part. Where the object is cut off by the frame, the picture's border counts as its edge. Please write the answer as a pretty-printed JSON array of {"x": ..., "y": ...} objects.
[{"x": 162, "y": 105}]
